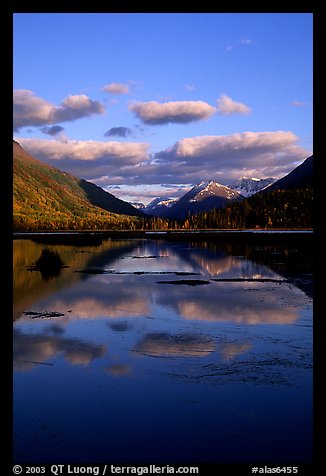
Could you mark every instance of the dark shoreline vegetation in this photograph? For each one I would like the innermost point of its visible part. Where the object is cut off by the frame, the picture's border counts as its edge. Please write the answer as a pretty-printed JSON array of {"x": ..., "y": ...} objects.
[
  {"x": 284, "y": 209},
  {"x": 255, "y": 236}
]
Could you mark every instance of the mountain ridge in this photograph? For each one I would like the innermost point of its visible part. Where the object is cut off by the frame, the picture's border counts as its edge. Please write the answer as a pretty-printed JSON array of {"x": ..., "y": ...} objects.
[
  {"x": 165, "y": 207},
  {"x": 44, "y": 196},
  {"x": 247, "y": 186},
  {"x": 300, "y": 177},
  {"x": 204, "y": 196}
]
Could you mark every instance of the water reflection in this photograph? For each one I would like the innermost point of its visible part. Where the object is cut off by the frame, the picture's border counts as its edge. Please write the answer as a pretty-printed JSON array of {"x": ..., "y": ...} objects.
[
  {"x": 230, "y": 350},
  {"x": 225, "y": 367},
  {"x": 28, "y": 286},
  {"x": 118, "y": 370},
  {"x": 165, "y": 344},
  {"x": 116, "y": 256},
  {"x": 116, "y": 296},
  {"x": 31, "y": 350}
]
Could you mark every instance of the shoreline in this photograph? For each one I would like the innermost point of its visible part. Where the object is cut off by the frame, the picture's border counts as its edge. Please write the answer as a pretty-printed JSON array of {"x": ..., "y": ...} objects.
[{"x": 252, "y": 235}]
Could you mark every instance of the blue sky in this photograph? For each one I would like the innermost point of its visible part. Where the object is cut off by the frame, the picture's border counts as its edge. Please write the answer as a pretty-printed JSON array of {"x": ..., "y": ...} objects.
[{"x": 147, "y": 104}]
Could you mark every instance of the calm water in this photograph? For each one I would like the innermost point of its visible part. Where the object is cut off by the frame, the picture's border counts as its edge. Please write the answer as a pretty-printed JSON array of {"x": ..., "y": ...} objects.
[{"x": 147, "y": 351}]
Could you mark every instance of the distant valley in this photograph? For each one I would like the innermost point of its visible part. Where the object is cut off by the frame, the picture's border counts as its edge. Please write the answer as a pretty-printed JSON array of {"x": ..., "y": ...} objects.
[{"x": 46, "y": 198}]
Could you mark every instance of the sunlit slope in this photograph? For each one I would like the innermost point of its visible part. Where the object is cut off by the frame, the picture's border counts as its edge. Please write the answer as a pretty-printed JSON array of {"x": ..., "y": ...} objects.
[{"x": 47, "y": 198}]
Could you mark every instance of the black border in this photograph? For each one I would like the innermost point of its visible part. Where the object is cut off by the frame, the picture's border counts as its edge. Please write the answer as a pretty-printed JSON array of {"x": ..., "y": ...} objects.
[{"x": 85, "y": 6}]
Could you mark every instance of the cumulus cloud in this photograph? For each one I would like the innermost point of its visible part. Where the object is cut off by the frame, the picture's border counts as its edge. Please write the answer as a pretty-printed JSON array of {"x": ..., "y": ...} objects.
[
  {"x": 91, "y": 160},
  {"x": 226, "y": 106},
  {"x": 118, "y": 132},
  {"x": 130, "y": 153},
  {"x": 31, "y": 110},
  {"x": 32, "y": 348},
  {"x": 130, "y": 164},
  {"x": 116, "y": 88},
  {"x": 53, "y": 130},
  {"x": 225, "y": 157},
  {"x": 178, "y": 112}
]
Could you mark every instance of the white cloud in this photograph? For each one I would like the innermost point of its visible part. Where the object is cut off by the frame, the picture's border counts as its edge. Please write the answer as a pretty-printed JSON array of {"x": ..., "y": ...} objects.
[
  {"x": 299, "y": 103},
  {"x": 116, "y": 88},
  {"x": 226, "y": 106},
  {"x": 31, "y": 110},
  {"x": 129, "y": 164},
  {"x": 222, "y": 158},
  {"x": 180, "y": 112},
  {"x": 91, "y": 160},
  {"x": 189, "y": 87},
  {"x": 243, "y": 42}
]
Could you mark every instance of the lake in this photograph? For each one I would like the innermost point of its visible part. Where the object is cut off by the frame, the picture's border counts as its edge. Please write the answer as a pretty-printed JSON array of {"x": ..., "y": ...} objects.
[{"x": 156, "y": 351}]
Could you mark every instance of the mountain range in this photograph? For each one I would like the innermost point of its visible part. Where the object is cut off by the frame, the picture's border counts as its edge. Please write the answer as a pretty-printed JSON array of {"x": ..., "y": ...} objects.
[
  {"x": 249, "y": 186},
  {"x": 45, "y": 195},
  {"x": 205, "y": 196},
  {"x": 245, "y": 186}
]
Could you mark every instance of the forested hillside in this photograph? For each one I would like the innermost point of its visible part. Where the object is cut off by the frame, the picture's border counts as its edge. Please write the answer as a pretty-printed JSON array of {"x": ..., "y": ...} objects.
[
  {"x": 276, "y": 209},
  {"x": 45, "y": 198}
]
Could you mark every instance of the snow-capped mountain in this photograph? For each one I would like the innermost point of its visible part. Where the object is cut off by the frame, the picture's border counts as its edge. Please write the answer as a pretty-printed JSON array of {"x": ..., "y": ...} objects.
[
  {"x": 159, "y": 206},
  {"x": 138, "y": 205},
  {"x": 249, "y": 186},
  {"x": 204, "y": 196}
]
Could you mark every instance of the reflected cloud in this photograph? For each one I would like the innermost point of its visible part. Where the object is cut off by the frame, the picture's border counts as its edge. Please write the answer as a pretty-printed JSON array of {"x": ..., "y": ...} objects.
[
  {"x": 30, "y": 350},
  {"x": 118, "y": 370},
  {"x": 132, "y": 296},
  {"x": 257, "y": 304},
  {"x": 124, "y": 294},
  {"x": 229, "y": 351},
  {"x": 161, "y": 344},
  {"x": 112, "y": 298}
]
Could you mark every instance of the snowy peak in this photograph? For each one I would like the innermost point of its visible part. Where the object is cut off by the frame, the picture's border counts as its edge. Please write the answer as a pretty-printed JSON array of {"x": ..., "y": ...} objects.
[
  {"x": 138, "y": 205},
  {"x": 203, "y": 190},
  {"x": 159, "y": 206},
  {"x": 204, "y": 196},
  {"x": 248, "y": 186}
]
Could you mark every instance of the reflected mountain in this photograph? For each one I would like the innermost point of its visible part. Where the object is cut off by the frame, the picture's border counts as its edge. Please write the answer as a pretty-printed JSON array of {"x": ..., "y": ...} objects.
[
  {"x": 162, "y": 344},
  {"x": 31, "y": 350},
  {"x": 88, "y": 296},
  {"x": 114, "y": 355},
  {"x": 29, "y": 287}
]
